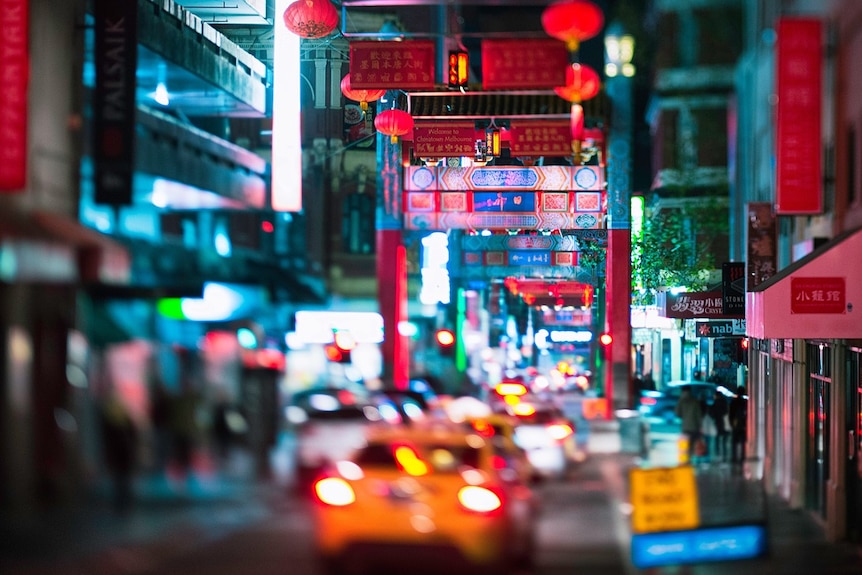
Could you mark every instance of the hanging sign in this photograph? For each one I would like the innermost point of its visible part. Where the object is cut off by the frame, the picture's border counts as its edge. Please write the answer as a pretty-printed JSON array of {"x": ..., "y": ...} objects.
[
  {"x": 799, "y": 56},
  {"x": 15, "y": 71},
  {"x": 444, "y": 139},
  {"x": 116, "y": 49},
  {"x": 392, "y": 65},
  {"x": 541, "y": 138},
  {"x": 691, "y": 305},
  {"x": 538, "y": 64}
]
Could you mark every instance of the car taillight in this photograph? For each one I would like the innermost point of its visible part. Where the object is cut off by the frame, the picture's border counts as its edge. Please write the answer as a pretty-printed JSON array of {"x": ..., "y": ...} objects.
[
  {"x": 646, "y": 400},
  {"x": 560, "y": 431},
  {"x": 334, "y": 491},
  {"x": 479, "y": 499}
]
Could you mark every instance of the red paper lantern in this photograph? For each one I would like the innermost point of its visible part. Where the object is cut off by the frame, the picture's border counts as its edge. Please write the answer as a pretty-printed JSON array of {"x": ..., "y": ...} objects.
[
  {"x": 394, "y": 123},
  {"x": 311, "y": 18},
  {"x": 572, "y": 21},
  {"x": 582, "y": 83},
  {"x": 361, "y": 96}
]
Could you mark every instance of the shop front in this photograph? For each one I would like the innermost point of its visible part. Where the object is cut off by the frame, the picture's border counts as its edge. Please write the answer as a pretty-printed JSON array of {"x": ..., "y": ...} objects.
[{"x": 804, "y": 417}]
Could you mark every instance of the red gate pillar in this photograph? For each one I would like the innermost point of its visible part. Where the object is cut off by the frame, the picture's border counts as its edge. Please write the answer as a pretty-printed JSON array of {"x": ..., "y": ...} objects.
[
  {"x": 618, "y": 317},
  {"x": 392, "y": 262},
  {"x": 392, "y": 300}
]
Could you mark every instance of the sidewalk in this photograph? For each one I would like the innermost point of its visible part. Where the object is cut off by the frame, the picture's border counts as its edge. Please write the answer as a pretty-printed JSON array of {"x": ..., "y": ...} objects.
[
  {"x": 796, "y": 543},
  {"x": 170, "y": 513}
]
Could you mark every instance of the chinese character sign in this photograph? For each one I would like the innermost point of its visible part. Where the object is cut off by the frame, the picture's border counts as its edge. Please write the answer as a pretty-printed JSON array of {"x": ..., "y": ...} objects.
[
  {"x": 392, "y": 65},
  {"x": 817, "y": 295}
]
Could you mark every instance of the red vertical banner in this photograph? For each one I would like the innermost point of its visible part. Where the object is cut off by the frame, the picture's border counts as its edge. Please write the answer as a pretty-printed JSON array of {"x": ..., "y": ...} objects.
[
  {"x": 15, "y": 72},
  {"x": 799, "y": 57}
]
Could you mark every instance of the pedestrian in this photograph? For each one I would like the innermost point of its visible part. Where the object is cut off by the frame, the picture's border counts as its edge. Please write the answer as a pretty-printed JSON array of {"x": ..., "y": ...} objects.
[
  {"x": 119, "y": 441},
  {"x": 690, "y": 411},
  {"x": 718, "y": 412},
  {"x": 738, "y": 415}
]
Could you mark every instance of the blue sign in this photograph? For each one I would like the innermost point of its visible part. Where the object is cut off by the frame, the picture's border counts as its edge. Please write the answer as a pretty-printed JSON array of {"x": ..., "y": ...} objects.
[
  {"x": 529, "y": 257},
  {"x": 698, "y": 545},
  {"x": 504, "y": 202}
]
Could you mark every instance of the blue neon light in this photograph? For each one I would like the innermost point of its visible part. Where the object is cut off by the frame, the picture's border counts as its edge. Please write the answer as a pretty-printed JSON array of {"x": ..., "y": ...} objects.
[{"x": 699, "y": 545}]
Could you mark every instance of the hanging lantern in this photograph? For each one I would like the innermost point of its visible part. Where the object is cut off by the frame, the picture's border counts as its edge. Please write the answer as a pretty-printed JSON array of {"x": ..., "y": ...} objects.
[
  {"x": 572, "y": 21},
  {"x": 582, "y": 83},
  {"x": 311, "y": 18},
  {"x": 361, "y": 96},
  {"x": 394, "y": 123}
]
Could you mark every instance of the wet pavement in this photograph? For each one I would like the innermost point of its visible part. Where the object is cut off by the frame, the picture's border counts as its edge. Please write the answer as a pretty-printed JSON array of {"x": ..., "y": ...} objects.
[{"x": 172, "y": 514}]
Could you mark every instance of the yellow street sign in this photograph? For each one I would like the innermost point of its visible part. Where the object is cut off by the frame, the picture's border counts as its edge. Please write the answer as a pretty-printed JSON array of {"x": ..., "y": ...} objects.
[{"x": 663, "y": 499}]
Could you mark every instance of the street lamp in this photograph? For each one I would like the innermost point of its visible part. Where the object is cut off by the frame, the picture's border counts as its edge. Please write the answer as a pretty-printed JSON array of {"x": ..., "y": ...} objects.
[
  {"x": 619, "y": 71},
  {"x": 619, "y": 51}
]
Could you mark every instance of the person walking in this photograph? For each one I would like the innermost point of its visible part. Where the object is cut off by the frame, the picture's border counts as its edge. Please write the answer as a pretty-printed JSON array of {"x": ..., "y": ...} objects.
[
  {"x": 119, "y": 439},
  {"x": 738, "y": 415},
  {"x": 690, "y": 411},
  {"x": 718, "y": 411}
]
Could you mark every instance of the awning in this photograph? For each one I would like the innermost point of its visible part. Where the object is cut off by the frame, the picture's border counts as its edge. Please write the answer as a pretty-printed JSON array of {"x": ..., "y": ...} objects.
[
  {"x": 813, "y": 298},
  {"x": 52, "y": 247}
]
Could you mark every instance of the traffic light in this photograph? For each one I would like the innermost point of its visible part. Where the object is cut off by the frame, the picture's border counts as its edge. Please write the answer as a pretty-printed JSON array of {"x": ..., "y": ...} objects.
[
  {"x": 339, "y": 350},
  {"x": 445, "y": 339},
  {"x": 458, "y": 69}
]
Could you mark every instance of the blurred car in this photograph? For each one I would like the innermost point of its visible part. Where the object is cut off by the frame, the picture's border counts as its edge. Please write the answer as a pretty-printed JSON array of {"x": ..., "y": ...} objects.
[
  {"x": 662, "y": 404},
  {"x": 329, "y": 422},
  {"x": 430, "y": 495},
  {"x": 546, "y": 435},
  {"x": 500, "y": 428}
]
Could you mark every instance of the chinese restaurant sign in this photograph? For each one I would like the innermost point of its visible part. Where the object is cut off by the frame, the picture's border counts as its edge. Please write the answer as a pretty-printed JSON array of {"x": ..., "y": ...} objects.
[
  {"x": 116, "y": 58},
  {"x": 444, "y": 139},
  {"x": 817, "y": 295},
  {"x": 541, "y": 138},
  {"x": 799, "y": 56},
  {"x": 691, "y": 305},
  {"x": 538, "y": 64},
  {"x": 14, "y": 70},
  {"x": 392, "y": 65}
]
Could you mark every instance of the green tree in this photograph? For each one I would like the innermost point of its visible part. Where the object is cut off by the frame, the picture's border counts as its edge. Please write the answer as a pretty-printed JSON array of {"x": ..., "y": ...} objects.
[{"x": 679, "y": 246}]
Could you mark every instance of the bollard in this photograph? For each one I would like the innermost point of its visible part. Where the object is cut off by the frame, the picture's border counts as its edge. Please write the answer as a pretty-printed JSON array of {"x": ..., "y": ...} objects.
[{"x": 682, "y": 447}]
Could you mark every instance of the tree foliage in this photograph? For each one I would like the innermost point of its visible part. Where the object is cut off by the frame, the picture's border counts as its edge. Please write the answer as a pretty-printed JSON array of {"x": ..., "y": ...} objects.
[{"x": 677, "y": 247}]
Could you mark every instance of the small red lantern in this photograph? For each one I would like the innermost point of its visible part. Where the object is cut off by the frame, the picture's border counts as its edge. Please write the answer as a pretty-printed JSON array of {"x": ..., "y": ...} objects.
[
  {"x": 311, "y": 18},
  {"x": 394, "y": 123},
  {"x": 582, "y": 83},
  {"x": 572, "y": 21},
  {"x": 361, "y": 96}
]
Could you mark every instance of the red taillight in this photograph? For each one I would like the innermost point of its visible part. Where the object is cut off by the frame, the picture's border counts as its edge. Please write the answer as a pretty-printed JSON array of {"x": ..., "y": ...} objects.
[
  {"x": 479, "y": 499},
  {"x": 560, "y": 431},
  {"x": 646, "y": 400},
  {"x": 334, "y": 491}
]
